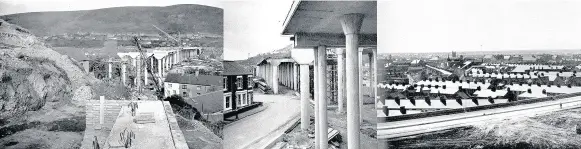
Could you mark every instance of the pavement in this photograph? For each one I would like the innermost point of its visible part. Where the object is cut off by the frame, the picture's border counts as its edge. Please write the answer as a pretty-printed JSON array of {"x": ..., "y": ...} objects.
[{"x": 252, "y": 131}]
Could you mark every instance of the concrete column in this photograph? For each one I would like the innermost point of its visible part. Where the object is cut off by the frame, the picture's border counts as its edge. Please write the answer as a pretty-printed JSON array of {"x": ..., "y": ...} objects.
[
  {"x": 351, "y": 24},
  {"x": 134, "y": 62},
  {"x": 316, "y": 99},
  {"x": 173, "y": 59},
  {"x": 283, "y": 74},
  {"x": 360, "y": 65},
  {"x": 280, "y": 77},
  {"x": 178, "y": 56},
  {"x": 109, "y": 72},
  {"x": 289, "y": 75},
  {"x": 305, "y": 120},
  {"x": 124, "y": 73},
  {"x": 159, "y": 68},
  {"x": 341, "y": 79},
  {"x": 322, "y": 103},
  {"x": 138, "y": 72},
  {"x": 373, "y": 74},
  {"x": 101, "y": 111},
  {"x": 295, "y": 76},
  {"x": 165, "y": 63},
  {"x": 275, "y": 76},
  {"x": 145, "y": 81},
  {"x": 284, "y": 70},
  {"x": 292, "y": 75}
]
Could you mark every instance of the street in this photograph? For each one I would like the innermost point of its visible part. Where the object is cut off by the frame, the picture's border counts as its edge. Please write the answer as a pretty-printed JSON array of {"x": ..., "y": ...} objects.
[{"x": 250, "y": 130}]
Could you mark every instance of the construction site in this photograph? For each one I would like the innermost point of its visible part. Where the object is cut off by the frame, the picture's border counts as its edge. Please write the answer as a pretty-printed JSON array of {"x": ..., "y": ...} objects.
[{"x": 119, "y": 100}]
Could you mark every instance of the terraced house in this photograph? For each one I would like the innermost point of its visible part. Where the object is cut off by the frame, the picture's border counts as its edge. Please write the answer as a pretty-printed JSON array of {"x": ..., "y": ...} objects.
[
  {"x": 190, "y": 85},
  {"x": 238, "y": 87}
]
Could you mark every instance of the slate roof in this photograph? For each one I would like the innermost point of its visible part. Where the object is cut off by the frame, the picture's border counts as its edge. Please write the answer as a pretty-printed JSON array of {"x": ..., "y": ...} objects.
[
  {"x": 192, "y": 79},
  {"x": 234, "y": 68}
]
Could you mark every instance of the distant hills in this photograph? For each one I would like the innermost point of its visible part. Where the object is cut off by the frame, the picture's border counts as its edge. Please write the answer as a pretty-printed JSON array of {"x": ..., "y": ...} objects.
[{"x": 188, "y": 18}]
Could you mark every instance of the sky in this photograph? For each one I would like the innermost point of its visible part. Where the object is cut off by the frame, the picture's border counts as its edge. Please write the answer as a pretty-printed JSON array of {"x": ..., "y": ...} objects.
[
  {"x": 20, "y": 6},
  {"x": 457, "y": 25},
  {"x": 250, "y": 27},
  {"x": 253, "y": 27}
]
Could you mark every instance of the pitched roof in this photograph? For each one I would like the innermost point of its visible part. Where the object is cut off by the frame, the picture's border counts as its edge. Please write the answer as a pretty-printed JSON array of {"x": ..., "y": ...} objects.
[
  {"x": 192, "y": 79},
  {"x": 234, "y": 68}
]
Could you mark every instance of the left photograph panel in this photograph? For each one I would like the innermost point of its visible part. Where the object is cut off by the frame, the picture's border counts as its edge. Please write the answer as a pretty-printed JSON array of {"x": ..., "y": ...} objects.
[{"x": 111, "y": 74}]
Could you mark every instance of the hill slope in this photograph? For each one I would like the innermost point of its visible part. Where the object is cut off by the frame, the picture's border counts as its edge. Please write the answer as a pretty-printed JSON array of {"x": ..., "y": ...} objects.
[
  {"x": 183, "y": 18},
  {"x": 41, "y": 93}
]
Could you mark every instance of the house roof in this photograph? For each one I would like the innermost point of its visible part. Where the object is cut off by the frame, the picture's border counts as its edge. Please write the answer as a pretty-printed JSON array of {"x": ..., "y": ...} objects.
[
  {"x": 234, "y": 68},
  {"x": 192, "y": 79},
  {"x": 487, "y": 93},
  {"x": 529, "y": 58}
]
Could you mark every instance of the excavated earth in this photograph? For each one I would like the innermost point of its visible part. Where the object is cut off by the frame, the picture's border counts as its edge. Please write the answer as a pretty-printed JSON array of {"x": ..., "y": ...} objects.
[
  {"x": 42, "y": 93},
  {"x": 555, "y": 130}
]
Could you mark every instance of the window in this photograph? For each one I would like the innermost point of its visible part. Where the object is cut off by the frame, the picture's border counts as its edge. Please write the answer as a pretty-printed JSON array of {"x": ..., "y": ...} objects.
[
  {"x": 249, "y": 97},
  {"x": 184, "y": 94},
  {"x": 184, "y": 87},
  {"x": 238, "y": 101},
  {"x": 169, "y": 84},
  {"x": 241, "y": 98},
  {"x": 227, "y": 102},
  {"x": 250, "y": 84},
  {"x": 239, "y": 82},
  {"x": 199, "y": 88},
  {"x": 244, "y": 101},
  {"x": 225, "y": 79},
  {"x": 174, "y": 92},
  {"x": 199, "y": 94}
]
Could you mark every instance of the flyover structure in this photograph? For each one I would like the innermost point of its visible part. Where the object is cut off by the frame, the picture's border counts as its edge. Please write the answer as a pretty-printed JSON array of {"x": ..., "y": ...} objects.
[
  {"x": 160, "y": 62},
  {"x": 322, "y": 25}
]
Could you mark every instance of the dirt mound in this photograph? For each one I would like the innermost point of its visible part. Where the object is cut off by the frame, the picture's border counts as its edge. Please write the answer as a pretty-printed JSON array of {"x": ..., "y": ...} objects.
[
  {"x": 553, "y": 130},
  {"x": 38, "y": 86},
  {"x": 197, "y": 135}
]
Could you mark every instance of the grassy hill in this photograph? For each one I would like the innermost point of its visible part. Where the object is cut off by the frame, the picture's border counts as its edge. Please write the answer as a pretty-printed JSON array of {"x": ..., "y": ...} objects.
[{"x": 184, "y": 18}]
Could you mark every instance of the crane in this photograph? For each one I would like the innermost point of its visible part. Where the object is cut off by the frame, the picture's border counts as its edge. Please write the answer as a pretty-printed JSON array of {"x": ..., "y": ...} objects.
[
  {"x": 157, "y": 85},
  {"x": 168, "y": 35}
]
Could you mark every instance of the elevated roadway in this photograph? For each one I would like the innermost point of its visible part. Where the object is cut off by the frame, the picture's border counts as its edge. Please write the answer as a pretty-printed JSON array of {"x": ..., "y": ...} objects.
[{"x": 413, "y": 126}]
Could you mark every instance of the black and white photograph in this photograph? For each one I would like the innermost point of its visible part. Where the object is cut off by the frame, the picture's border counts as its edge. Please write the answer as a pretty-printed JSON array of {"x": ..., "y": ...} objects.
[
  {"x": 111, "y": 74},
  {"x": 479, "y": 74},
  {"x": 290, "y": 74},
  {"x": 310, "y": 63}
]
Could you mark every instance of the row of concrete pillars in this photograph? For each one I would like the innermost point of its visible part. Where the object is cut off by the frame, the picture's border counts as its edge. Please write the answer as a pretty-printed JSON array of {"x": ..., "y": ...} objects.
[
  {"x": 165, "y": 60},
  {"x": 350, "y": 82}
]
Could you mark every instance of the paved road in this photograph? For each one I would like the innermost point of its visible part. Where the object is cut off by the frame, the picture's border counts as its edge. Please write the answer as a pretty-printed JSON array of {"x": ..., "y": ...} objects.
[
  {"x": 250, "y": 130},
  {"x": 422, "y": 125}
]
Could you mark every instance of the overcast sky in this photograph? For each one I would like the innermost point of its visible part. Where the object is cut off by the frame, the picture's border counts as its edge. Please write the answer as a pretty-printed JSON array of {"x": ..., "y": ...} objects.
[
  {"x": 254, "y": 27},
  {"x": 250, "y": 27},
  {"x": 403, "y": 25},
  {"x": 20, "y": 6},
  {"x": 464, "y": 25}
]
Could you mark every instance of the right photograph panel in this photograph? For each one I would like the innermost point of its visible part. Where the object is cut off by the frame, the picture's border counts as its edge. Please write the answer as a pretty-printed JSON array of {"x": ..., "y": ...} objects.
[{"x": 479, "y": 74}]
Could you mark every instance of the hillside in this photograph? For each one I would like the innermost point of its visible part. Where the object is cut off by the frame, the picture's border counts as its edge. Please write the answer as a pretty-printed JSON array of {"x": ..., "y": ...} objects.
[
  {"x": 183, "y": 18},
  {"x": 42, "y": 93}
]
